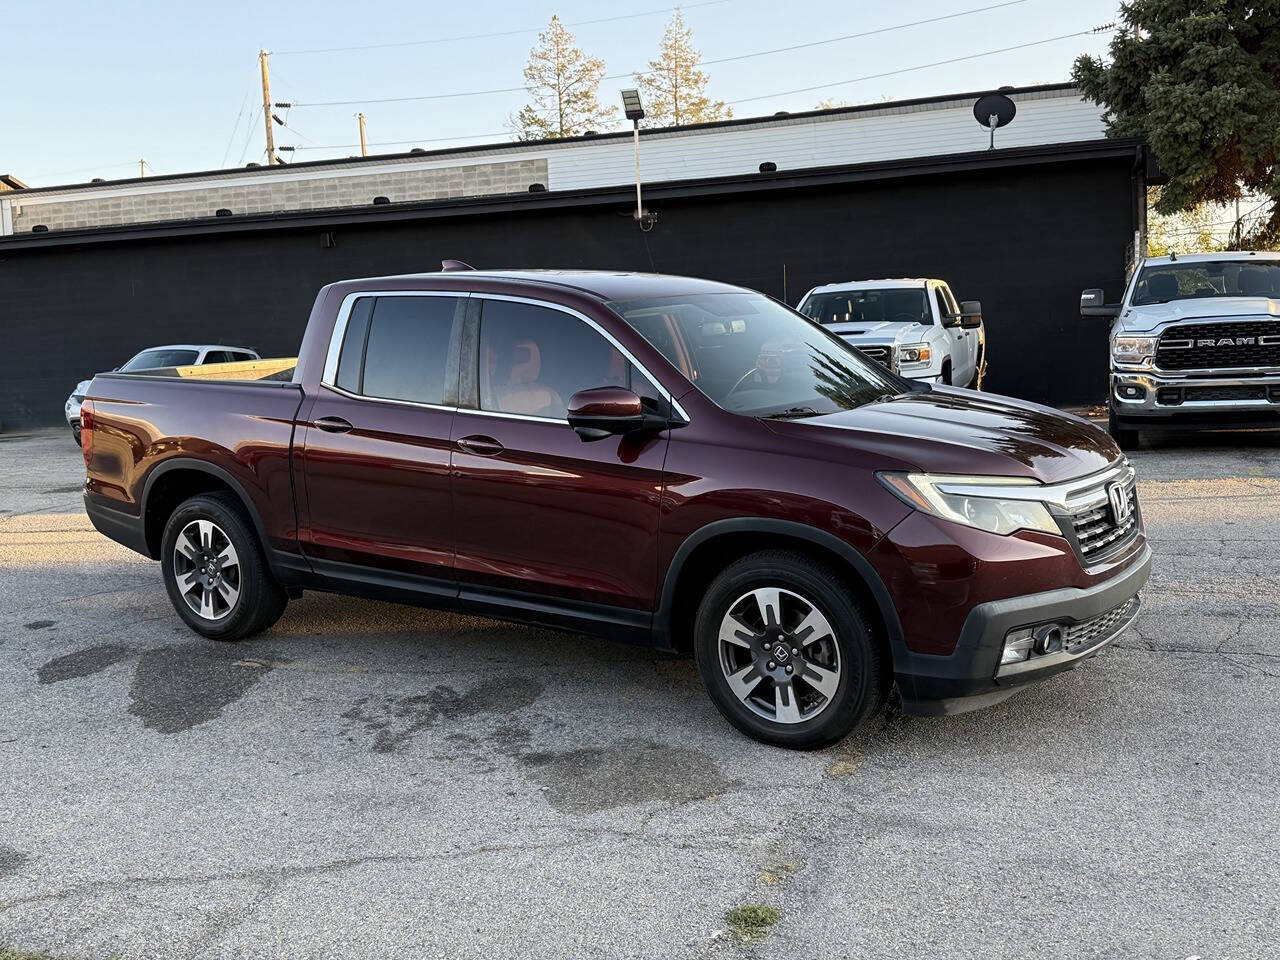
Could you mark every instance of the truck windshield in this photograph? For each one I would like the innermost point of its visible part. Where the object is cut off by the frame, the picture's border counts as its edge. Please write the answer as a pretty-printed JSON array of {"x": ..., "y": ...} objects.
[
  {"x": 161, "y": 357},
  {"x": 1160, "y": 283},
  {"x": 753, "y": 356},
  {"x": 895, "y": 305}
]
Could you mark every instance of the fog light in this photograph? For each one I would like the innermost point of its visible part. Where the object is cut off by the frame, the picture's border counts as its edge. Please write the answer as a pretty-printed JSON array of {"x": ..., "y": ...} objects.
[
  {"x": 1131, "y": 392},
  {"x": 1017, "y": 645},
  {"x": 1048, "y": 638}
]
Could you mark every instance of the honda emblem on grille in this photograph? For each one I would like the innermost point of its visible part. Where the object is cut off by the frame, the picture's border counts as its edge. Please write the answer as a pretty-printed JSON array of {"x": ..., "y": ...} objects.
[{"x": 1119, "y": 500}]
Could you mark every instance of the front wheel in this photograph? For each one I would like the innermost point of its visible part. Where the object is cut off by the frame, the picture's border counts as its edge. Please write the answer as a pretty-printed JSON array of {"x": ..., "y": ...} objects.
[
  {"x": 215, "y": 572},
  {"x": 786, "y": 653},
  {"x": 75, "y": 434}
]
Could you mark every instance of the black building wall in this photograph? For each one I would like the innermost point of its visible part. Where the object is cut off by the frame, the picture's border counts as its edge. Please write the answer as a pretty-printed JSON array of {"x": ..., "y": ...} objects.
[{"x": 1022, "y": 239}]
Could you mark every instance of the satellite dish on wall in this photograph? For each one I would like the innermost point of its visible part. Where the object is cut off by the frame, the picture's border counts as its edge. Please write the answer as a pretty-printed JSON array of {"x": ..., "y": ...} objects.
[{"x": 994, "y": 110}]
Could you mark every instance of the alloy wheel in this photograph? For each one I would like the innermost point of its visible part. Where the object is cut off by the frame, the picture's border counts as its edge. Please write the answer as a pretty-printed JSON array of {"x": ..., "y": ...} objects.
[
  {"x": 207, "y": 569},
  {"x": 779, "y": 655}
]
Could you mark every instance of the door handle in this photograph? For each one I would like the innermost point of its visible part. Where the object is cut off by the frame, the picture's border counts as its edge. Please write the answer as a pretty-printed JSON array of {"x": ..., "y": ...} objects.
[
  {"x": 333, "y": 425},
  {"x": 480, "y": 445}
]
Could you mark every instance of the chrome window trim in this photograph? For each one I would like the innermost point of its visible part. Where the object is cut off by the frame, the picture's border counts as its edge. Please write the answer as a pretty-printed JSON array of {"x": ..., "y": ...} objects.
[
  {"x": 667, "y": 394},
  {"x": 1069, "y": 496},
  {"x": 511, "y": 416},
  {"x": 330, "y": 374},
  {"x": 402, "y": 403}
]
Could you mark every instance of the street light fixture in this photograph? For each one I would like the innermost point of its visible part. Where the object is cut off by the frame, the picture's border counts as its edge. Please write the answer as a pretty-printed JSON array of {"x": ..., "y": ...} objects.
[{"x": 634, "y": 111}]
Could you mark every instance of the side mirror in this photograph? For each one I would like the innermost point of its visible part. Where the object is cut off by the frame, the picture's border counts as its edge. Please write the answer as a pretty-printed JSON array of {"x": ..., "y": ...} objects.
[
  {"x": 609, "y": 411},
  {"x": 1093, "y": 303},
  {"x": 971, "y": 314},
  {"x": 951, "y": 319}
]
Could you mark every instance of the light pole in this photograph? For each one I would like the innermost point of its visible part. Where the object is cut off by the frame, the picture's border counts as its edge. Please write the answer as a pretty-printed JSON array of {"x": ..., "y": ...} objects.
[{"x": 635, "y": 113}]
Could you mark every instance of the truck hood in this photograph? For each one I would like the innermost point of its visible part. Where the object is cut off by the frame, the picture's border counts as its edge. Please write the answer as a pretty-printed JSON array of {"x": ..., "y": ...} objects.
[
  {"x": 1152, "y": 316},
  {"x": 883, "y": 332},
  {"x": 949, "y": 430}
]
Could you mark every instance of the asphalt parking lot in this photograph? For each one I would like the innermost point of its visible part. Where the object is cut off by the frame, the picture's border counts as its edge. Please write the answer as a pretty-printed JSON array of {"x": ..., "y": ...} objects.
[{"x": 368, "y": 780}]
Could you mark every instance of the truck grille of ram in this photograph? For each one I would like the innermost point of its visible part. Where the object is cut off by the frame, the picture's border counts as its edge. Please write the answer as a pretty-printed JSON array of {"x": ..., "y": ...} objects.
[{"x": 1219, "y": 346}]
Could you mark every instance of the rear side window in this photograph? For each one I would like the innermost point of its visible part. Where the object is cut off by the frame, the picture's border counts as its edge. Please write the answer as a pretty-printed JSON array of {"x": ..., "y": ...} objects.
[
  {"x": 217, "y": 356},
  {"x": 406, "y": 354},
  {"x": 352, "y": 357}
]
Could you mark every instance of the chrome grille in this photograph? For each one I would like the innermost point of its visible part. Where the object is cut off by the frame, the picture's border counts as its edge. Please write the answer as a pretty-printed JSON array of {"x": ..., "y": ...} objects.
[
  {"x": 1089, "y": 632},
  {"x": 1208, "y": 346},
  {"x": 881, "y": 355},
  {"x": 1097, "y": 532}
]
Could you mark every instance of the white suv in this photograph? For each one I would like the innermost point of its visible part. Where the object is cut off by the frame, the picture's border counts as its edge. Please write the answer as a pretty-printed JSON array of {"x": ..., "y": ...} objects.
[
  {"x": 914, "y": 327},
  {"x": 173, "y": 355}
]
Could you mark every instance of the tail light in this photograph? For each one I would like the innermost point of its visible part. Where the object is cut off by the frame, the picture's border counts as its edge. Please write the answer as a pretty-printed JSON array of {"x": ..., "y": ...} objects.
[{"x": 86, "y": 431}]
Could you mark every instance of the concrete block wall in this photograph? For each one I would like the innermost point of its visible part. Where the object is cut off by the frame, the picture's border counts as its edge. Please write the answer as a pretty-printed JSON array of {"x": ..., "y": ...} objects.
[{"x": 275, "y": 192}]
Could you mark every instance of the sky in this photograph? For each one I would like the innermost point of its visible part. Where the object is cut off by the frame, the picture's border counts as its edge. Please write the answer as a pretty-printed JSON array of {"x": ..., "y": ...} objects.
[{"x": 93, "y": 87}]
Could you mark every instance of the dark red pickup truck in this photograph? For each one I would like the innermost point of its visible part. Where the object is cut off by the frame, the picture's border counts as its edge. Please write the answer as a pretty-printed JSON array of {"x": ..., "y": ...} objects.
[{"x": 673, "y": 461}]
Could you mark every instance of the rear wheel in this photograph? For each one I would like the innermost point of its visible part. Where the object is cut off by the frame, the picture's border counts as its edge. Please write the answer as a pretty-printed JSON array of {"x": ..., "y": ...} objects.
[
  {"x": 786, "y": 653},
  {"x": 215, "y": 572},
  {"x": 979, "y": 371},
  {"x": 1126, "y": 438}
]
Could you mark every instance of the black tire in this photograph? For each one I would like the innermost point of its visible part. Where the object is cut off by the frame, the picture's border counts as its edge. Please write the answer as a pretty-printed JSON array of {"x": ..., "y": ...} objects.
[
  {"x": 260, "y": 600},
  {"x": 864, "y": 673},
  {"x": 75, "y": 433},
  {"x": 946, "y": 372},
  {"x": 1126, "y": 438}
]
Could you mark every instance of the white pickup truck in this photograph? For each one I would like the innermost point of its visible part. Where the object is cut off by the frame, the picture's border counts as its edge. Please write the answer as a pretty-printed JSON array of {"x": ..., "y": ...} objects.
[
  {"x": 1195, "y": 342},
  {"x": 914, "y": 327}
]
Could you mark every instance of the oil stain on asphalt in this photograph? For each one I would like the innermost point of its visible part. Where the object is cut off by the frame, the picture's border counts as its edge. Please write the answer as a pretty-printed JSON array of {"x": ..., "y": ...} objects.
[
  {"x": 82, "y": 663},
  {"x": 628, "y": 772},
  {"x": 393, "y": 722},
  {"x": 176, "y": 688},
  {"x": 11, "y": 861},
  {"x": 39, "y": 624}
]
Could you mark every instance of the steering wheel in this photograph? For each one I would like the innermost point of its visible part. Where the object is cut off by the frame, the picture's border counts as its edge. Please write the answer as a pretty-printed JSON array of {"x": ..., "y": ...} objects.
[
  {"x": 904, "y": 318},
  {"x": 743, "y": 379}
]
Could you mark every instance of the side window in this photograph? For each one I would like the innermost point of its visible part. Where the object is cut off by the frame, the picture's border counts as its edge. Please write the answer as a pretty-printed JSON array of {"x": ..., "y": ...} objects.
[
  {"x": 943, "y": 308},
  {"x": 407, "y": 349},
  {"x": 950, "y": 298},
  {"x": 217, "y": 356},
  {"x": 239, "y": 356},
  {"x": 351, "y": 359},
  {"x": 532, "y": 359}
]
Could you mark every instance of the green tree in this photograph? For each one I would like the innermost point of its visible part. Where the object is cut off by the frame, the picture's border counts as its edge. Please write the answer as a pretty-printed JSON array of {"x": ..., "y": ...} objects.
[
  {"x": 675, "y": 90},
  {"x": 1200, "y": 81},
  {"x": 562, "y": 82}
]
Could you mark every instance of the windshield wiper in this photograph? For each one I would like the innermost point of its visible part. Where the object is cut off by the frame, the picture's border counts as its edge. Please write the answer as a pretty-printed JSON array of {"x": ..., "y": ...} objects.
[{"x": 792, "y": 413}]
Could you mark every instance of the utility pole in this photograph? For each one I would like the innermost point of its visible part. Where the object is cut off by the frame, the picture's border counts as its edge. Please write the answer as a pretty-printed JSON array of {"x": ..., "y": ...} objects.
[
  {"x": 266, "y": 108},
  {"x": 364, "y": 147},
  {"x": 142, "y": 168}
]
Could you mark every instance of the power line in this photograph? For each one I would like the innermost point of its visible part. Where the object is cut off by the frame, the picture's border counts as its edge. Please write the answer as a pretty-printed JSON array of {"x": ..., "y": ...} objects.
[
  {"x": 401, "y": 143},
  {"x": 500, "y": 33},
  {"x": 742, "y": 56},
  {"x": 234, "y": 129},
  {"x": 922, "y": 66}
]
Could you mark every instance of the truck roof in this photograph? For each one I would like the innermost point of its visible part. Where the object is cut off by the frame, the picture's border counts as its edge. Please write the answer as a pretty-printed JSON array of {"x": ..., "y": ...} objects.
[
  {"x": 1224, "y": 255},
  {"x": 896, "y": 283},
  {"x": 605, "y": 284}
]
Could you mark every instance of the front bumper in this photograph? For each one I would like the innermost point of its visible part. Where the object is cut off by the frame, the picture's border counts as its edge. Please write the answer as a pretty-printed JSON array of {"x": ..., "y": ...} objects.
[
  {"x": 1152, "y": 399},
  {"x": 972, "y": 677},
  {"x": 71, "y": 409}
]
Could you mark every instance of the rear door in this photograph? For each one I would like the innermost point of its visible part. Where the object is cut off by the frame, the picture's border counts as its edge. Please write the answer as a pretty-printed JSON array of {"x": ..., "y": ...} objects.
[
  {"x": 539, "y": 510},
  {"x": 374, "y": 449}
]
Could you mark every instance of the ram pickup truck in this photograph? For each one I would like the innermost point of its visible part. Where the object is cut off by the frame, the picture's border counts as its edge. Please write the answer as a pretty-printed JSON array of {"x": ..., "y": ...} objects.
[
  {"x": 1195, "y": 343},
  {"x": 913, "y": 327},
  {"x": 673, "y": 461}
]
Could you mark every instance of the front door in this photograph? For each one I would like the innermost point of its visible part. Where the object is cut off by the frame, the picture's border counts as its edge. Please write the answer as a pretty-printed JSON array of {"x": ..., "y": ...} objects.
[
  {"x": 374, "y": 484},
  {"x": 539, "y": 510},
  {"x": 962, "y": 340}
]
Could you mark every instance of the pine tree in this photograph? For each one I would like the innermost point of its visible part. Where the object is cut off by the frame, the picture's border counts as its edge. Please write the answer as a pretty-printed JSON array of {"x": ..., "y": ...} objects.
[
  {"x": 674, "y": 88},
  {"x": 562, "y": 82}
]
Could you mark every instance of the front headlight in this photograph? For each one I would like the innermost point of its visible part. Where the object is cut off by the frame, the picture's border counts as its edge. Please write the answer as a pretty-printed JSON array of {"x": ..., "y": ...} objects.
[
  {"x": 1133, "y": 349},
  {"x": 953, "y": 498},
  {"x": 910, "y": 353}
]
